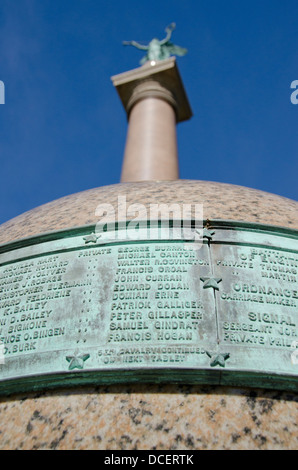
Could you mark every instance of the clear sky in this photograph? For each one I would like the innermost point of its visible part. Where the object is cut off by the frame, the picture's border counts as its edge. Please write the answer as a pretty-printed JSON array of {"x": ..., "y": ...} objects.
[{"x": 63, "y": 128}]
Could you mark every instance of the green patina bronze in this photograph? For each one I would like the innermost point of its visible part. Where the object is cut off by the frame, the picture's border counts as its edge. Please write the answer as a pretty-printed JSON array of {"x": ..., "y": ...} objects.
[
  {"x": 82, "y": 307},
  {"x": 159, "y": 50}
]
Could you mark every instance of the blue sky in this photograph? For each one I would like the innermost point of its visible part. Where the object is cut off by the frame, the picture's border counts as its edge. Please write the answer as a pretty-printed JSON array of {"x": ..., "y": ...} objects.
[{"x": 63, "y": 128}]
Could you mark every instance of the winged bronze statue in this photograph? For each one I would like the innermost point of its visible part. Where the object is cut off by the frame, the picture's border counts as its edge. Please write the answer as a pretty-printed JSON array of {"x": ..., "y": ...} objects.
[{"x": 159, "y": 50}]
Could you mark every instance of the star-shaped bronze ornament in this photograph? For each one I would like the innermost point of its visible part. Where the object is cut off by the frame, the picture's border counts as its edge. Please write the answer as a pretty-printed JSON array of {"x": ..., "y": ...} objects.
[
  {"x": 208, "y": 234},
  {"x": 218, "y": 359},
  {"x": 77, "y": 361},
  {"x": 211, "y": 282},
  {"x": 91, "y": 238}
]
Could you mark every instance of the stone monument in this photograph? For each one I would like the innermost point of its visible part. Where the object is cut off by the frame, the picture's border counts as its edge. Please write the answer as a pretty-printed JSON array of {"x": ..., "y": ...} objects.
[{"x": 128, "y": 321}]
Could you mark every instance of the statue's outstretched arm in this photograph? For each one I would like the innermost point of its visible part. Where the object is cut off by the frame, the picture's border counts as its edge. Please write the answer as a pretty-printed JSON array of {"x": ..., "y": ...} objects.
[
  {"x": 135, "y": 44},
  {"x": 169, "y": 30}
]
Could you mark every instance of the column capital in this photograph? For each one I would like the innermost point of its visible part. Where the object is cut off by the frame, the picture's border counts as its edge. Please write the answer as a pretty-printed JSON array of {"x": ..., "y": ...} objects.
[{"x": 159, "y": 79}]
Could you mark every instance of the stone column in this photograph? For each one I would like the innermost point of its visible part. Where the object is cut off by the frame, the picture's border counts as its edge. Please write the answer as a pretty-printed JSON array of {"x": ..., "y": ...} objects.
[{"x": 154, "y": 99}]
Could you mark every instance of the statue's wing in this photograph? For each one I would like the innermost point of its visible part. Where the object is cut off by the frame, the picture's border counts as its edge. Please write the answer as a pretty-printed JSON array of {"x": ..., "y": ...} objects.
[{"x": 176, "y": 50}]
